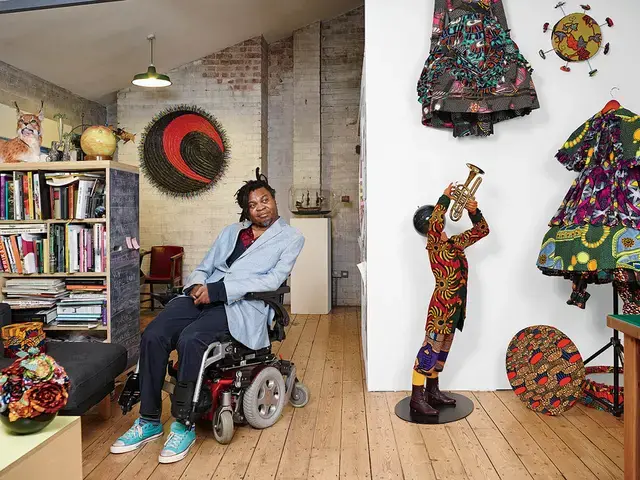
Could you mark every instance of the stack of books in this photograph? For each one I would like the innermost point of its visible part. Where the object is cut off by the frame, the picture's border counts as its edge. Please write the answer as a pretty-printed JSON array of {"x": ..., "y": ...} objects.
[
  {"x": 46, "y": 196},
  {"x": 85, "y": 305},
  {"x": 34, "y": 299}
]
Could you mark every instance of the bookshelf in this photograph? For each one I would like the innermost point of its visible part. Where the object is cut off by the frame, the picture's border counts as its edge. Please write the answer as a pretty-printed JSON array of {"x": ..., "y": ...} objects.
[{"x": 84, "y": 243}]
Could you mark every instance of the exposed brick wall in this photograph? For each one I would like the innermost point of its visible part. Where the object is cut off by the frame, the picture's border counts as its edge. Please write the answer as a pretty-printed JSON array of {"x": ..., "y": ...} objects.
[
  {"x": 112, "y": 114},
  {"x": 28, "y": 90},
  {"x": 306, "y": 105},
  {"x": 336, "y": 60},
  {"x": 341, "y": 67},
  {"x": 281, "y": 122},
  {"x": 112, "y": 119},
  {"x": 264, "y": 85},
  {"x": 238, "y": 67},
  {"x": 226, "y": 84},
  {"x": 310, "y": 100}
]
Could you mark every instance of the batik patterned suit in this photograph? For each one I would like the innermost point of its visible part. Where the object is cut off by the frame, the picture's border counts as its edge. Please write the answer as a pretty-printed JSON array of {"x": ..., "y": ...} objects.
[{"x": 447, "y": 309}]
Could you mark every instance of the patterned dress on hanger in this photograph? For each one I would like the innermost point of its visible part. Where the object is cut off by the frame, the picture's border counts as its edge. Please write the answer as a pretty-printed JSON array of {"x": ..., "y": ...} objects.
[
  {"x": 594, "y": 237},
  {"x": 475, "y": 75}
]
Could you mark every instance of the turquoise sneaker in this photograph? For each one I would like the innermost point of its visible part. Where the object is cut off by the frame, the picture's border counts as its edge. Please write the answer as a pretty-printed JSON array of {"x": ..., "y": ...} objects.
[
  {"x": 136, "y": 436},
  {"x": 178, "y": 443}
]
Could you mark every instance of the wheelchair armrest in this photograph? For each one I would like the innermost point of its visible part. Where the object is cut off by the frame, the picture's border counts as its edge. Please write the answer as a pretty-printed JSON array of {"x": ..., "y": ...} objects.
[
  {"x": 274, "y": 300},
  {"x": 267, "y": 295}
]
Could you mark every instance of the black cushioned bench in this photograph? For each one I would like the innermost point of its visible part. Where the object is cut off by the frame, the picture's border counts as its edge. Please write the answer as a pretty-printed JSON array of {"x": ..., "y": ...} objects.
[{"x": 92, "y": 367}]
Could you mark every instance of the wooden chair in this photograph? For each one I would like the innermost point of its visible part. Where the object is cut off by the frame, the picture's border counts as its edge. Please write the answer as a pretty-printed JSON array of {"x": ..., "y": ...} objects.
[{"x": 165, "y": 269}]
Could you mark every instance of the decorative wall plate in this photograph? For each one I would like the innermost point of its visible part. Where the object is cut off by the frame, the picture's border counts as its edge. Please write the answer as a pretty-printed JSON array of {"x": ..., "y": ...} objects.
[
  {"x": 577, "y": 37},
  {"x": 545, "y": 369},
  {"x": 183, "y": 151}
]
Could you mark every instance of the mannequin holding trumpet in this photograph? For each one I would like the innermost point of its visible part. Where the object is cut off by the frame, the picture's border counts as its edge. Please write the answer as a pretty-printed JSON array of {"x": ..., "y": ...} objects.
[{"x": 447, "y": 309}]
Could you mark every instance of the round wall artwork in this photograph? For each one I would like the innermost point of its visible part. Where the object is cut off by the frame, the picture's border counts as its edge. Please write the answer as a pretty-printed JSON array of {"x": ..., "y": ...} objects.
[
  {"x": 545, "y": 369},
  {"x": 183, "y": 151},
  {"x": 577, "y": 37}
]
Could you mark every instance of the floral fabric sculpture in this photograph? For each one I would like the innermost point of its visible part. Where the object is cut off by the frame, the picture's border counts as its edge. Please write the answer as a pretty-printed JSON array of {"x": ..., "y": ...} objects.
[
  {"x": 33, "y": 385},
  {"x": 475, "y": 75},
  {"x": 594, "y": 237}
]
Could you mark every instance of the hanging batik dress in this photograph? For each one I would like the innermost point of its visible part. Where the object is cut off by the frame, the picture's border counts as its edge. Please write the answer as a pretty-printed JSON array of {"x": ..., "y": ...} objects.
[
  {"x": 475, "y": 75},
  {"x": 594, "y": 237}
]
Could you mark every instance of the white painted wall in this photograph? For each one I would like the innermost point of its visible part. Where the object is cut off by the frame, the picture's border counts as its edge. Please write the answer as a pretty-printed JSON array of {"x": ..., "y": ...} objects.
[{"x": 410, "y": 165}]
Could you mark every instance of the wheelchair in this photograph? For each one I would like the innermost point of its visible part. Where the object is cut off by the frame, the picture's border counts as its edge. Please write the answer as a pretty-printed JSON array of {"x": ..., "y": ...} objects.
[{"x": 236, "y": 385}]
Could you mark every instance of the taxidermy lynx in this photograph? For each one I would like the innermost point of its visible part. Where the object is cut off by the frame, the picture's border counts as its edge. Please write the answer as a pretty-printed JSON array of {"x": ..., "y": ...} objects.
[{"x": 26, "y": 146}]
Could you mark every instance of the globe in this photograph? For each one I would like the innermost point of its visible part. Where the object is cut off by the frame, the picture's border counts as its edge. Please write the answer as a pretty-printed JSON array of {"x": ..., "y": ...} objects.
[
  {"x": 98, "y": 143},
  {"x": 421, "y": 219}
]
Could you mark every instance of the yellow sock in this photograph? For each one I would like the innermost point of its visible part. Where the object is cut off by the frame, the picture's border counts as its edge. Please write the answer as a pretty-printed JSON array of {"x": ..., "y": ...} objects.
[
  {"x": 433, "y": 374},
  {"x": 418, "y": 379}
]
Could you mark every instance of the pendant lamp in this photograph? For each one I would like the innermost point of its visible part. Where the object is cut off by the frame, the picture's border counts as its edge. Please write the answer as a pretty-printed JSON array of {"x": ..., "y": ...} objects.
[{"x": 151, "y": 78}]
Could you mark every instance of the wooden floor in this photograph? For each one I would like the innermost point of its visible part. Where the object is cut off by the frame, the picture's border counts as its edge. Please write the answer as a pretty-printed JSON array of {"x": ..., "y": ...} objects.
[{"x": 346, "y": 432}]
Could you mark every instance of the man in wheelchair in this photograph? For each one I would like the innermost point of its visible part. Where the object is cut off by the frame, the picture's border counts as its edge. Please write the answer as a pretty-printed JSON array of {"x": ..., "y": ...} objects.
[{"x": 221, "y": 317}]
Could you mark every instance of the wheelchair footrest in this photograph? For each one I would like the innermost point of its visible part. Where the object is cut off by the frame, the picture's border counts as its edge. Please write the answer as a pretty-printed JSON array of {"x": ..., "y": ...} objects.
[
  {"x": 130, "y": 394},
  {"x": 169, "y": 387},
  {"x": 182, "y": 401}
]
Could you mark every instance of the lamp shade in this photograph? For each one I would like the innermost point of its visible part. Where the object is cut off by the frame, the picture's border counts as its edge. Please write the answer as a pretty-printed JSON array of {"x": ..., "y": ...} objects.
[{"x": 151, "y": 78}]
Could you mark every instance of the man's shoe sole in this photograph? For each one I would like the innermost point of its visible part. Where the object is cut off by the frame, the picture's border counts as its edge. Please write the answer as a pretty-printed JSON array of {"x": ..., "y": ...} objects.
[
  {"x": 177, "y": 457},
  {"x": 135, "y": 446}
]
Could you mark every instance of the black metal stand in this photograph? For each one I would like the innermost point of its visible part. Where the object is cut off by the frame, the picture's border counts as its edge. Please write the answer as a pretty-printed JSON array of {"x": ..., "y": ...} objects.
[
  {"x": 446, "y": 413},
  {"x": 618, "y": 360}
]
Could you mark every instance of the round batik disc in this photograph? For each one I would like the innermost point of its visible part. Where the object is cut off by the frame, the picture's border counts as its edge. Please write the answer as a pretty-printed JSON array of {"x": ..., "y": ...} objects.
[
  {"x": 183, "y": 151},
  {"x": 576, "y": 37},
  {"x": 545, "y": 369}
]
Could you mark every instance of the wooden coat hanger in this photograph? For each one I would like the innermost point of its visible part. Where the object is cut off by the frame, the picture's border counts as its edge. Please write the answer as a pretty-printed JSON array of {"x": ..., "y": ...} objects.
[{"x": 611, "y": 104}]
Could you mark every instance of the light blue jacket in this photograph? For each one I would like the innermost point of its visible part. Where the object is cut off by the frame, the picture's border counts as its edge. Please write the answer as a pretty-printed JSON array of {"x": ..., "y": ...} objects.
[{"x": 263, "y": 267}]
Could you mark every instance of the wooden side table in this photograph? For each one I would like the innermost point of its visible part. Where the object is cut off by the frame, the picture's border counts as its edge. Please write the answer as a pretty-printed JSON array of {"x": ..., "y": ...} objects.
[
  {"x": 630, "y": 326},
  {"x": 54, "y": 453}
]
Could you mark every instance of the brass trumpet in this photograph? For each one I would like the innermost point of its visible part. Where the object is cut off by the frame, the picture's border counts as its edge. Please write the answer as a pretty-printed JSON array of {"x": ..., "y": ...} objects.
[{"x": 461, "y": 194}]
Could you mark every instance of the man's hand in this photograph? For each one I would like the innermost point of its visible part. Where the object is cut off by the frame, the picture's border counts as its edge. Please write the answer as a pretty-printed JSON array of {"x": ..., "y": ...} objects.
[
  {"x": 472, "y": 206},
  {"x": 201, "y": 296},
  {"x": 448, "y": 190},
  {"x": 194, "y": 290}
]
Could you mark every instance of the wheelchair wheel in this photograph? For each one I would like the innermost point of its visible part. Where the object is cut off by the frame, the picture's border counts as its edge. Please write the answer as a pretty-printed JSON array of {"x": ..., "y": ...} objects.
[
  {"x": 300, "y": 395},
  {"x": 223, "y": 428},
  {"x": 264, "y": 399}
]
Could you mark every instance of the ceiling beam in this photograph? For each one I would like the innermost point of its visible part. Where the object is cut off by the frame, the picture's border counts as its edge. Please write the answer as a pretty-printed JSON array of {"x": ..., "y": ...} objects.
[{"x": 14, "y": 6}]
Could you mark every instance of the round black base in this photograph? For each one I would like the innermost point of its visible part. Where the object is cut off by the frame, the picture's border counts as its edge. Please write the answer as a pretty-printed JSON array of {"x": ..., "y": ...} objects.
[{"x": 448, "y": 414}]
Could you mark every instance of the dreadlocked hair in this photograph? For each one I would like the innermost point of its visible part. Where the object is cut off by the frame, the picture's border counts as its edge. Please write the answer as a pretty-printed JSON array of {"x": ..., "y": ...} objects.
[{"x": 242, "y": 195}]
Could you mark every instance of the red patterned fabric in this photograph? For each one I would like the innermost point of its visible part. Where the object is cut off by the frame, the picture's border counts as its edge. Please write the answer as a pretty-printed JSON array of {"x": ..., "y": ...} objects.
[
  {"x": 246, "y": 237},
  {"x": 447, "y": 308}
]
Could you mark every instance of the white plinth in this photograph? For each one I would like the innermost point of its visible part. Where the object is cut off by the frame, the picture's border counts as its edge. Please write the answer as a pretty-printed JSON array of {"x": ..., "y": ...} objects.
[{"x": 311, "y": 275}]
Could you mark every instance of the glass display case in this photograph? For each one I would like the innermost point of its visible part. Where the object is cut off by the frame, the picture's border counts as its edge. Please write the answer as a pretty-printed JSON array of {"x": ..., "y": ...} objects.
[{"x": 310, "y": 200}]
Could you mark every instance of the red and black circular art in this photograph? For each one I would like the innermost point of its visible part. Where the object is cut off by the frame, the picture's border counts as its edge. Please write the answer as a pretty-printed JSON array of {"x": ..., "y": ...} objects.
[
  {"x": 545, "y": 369},
  {"x": 184, "y": 151}
]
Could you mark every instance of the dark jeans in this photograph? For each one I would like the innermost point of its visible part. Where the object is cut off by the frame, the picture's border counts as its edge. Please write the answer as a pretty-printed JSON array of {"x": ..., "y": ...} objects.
[{"x": 182, "y": 326}]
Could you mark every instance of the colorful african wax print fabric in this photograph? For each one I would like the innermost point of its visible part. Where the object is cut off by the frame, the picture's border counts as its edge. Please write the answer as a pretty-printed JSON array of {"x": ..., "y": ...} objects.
[
  {"x": 596, "y": 230},
  {"x": 20, "y": 337},
  {"x": 447, "y": 309},
  {"x": 475, "y": 75},
  {"x": 433, "y": 353},
  {"x": 545, "y": 369}
]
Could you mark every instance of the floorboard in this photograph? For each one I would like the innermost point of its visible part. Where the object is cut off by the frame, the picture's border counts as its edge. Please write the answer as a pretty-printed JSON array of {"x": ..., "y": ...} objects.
[{"x": 346, "y": 432}]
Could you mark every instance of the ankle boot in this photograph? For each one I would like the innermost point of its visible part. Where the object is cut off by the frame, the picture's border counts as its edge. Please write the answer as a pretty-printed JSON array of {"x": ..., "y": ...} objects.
[
  {"x": 419, "y": 403},
  {"x": 434, "y": 396}
]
